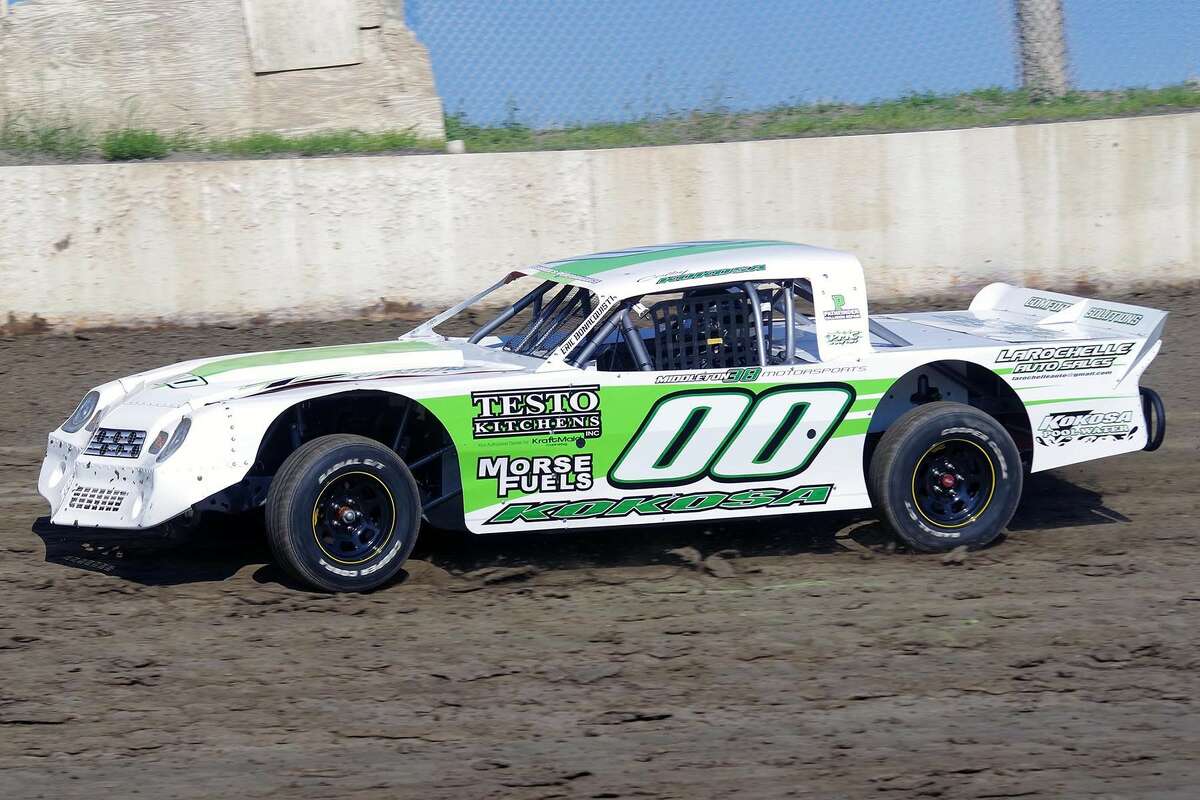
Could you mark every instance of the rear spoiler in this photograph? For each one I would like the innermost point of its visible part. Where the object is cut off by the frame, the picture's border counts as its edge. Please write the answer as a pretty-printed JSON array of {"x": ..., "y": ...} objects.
[
  {"x": 1095, "y": 318},
  {"x": 1086, "y": 319}
]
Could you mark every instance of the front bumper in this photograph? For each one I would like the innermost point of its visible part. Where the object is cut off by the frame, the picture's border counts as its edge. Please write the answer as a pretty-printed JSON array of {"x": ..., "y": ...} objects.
[
  {"x": 106, "y": 491},
  {"x": 95, "y": 492}
]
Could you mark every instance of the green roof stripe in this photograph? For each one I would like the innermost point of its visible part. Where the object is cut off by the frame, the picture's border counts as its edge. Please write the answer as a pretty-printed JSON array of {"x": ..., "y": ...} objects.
[
  {"x": 307, "y": 354},
  {"x": 590, "y": 265}
]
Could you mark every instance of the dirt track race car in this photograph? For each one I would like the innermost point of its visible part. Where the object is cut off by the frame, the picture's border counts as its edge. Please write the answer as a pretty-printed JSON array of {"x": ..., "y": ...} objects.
[{"x": 692, "y": 381}]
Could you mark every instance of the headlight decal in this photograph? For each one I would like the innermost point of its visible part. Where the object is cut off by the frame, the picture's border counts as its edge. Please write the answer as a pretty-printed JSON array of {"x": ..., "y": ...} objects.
[
  {"x": 181, "y": 432},
  {"x": 83, "y": 412}
]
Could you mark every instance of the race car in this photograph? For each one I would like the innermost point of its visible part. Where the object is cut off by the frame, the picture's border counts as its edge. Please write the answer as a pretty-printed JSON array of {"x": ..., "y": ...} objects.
[{"x": 708, "y": 380}]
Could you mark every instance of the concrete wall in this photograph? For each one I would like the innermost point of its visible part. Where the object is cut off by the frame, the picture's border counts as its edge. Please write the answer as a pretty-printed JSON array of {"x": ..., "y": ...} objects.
[
  {"x": 190, "y": 66},
  {"x": 1095, "y": 205}
]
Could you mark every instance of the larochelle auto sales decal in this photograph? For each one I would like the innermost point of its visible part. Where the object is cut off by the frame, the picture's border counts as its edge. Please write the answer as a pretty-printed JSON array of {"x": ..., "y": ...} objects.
[
  {"x": 1070, "y": 358},
  {"x": 528, "y": 412}
]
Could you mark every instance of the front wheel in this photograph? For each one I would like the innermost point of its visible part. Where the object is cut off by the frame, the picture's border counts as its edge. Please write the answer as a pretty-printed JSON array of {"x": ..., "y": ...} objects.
[
  {"x": 946, "y": 475},
  {"x": 342, "y": 514}
]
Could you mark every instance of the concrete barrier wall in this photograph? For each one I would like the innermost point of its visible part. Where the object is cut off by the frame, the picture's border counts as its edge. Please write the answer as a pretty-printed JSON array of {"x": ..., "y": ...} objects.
[
  {"x": 1100, "y": 206},
  {"x": 218, "y": 67}
]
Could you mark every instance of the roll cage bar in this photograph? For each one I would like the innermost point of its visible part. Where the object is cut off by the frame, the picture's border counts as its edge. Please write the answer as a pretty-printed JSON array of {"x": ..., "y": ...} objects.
[{"x": 641, "y": 357}]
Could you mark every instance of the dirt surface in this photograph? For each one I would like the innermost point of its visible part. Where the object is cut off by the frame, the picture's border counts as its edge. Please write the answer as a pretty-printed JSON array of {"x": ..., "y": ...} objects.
[{"x": 774, "y": 659}]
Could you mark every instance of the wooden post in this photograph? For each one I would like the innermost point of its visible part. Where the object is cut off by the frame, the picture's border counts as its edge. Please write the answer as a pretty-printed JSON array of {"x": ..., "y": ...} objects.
[{"x": 1043, "y": 47}]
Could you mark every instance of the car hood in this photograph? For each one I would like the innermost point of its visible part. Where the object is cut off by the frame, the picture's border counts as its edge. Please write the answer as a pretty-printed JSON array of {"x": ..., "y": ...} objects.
[{"x": 205, "y": 381}]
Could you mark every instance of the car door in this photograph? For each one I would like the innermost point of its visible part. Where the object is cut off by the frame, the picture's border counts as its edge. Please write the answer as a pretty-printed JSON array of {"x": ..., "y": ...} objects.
[{"x": 710, "y": 430}]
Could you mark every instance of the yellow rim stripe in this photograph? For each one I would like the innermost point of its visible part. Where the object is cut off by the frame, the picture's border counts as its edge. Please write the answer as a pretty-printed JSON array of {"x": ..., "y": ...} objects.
[
  {"x": 382, "y": 545},
  {"x": 991, "y": 492}
]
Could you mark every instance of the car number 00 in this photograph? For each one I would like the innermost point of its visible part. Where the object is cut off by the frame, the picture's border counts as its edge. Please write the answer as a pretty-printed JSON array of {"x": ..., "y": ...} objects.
[{"x": 731, "y": 435}]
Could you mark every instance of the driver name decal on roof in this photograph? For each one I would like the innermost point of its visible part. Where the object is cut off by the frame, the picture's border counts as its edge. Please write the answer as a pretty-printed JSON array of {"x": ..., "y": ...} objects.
[{"x": 711, "y": 273}]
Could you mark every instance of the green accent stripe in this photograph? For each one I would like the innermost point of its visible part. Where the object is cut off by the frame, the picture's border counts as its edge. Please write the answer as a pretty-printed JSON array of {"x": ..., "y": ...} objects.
[
  {"x": 852, "y": 427},
  {"x": 867, "y": 404},
  {"x": 1003, "y": 370},
  {"x": 876, "y": 386},
  {"x": 307, "y": 354},
  {"x": 590, "y": 265},
  {"x": 1070, "y": 400}
]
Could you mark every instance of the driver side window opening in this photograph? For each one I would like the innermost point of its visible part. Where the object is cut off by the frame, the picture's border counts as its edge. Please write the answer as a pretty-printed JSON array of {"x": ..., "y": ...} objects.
[{"x": 710, "y": 327}]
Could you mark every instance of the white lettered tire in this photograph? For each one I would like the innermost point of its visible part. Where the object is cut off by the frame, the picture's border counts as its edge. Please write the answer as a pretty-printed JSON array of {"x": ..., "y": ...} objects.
[
  {"x": 343, "y": 514},
  {"x": 946, "y": 475}
]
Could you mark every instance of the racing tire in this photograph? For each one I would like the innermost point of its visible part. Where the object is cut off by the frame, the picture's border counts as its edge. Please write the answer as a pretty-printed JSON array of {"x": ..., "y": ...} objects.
[
  {"x": 343, "y": 514},
  {"x": 946, "y": 475}
]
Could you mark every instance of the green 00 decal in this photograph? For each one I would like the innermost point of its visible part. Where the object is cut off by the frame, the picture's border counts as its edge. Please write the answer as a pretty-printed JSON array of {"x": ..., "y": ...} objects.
[{"x": 731, "y": 435}]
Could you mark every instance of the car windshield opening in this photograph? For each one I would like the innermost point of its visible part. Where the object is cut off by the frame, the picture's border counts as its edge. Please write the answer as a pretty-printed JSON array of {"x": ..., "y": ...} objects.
[{"x": 535, "y": 323}]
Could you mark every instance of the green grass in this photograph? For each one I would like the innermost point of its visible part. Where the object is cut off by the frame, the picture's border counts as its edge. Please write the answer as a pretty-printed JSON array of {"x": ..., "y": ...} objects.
[
  {"x": 323, "y": 143},
  {"x": 992, "y": 106},
  {"x": 131, "y": 144},
  {"x": 60, "y": 139},
  {"x": 53, "y": 137}
]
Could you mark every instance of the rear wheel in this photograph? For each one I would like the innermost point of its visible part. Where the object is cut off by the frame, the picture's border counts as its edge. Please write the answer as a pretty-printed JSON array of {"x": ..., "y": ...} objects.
[
  {"x": 946, "y": 475},
  {"x": 343, "y": 514}
]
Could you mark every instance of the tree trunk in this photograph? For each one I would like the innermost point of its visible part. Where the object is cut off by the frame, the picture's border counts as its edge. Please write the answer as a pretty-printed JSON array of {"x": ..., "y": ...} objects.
[{"x": 1043, "y": 47}]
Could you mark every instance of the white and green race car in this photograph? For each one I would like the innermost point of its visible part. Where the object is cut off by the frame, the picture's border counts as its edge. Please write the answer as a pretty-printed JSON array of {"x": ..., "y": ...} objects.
[{"x": 692, "y": 381}]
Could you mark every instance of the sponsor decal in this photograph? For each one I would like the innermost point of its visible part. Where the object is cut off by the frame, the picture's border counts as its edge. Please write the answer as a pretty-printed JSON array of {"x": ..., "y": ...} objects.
[
  {"x": 737, "y": 375},
  {"x": 1046, "y": 304},
  {"x": 796, "y": 370},
  {"x": 712, "y": 273},
  {"x": 843, "y": 337},
  {"x": 661, "y": 505},
  {"x": 537, "y": 474},
  {"x": 556, "y": 441},
  {"x": 527, "y": 412},
  {"x": 1085, "y": 426},
  {"x": 1070, "y": 358},
  {"x": 1101, "y": 314},
  {"x": 840, "y": 311}
]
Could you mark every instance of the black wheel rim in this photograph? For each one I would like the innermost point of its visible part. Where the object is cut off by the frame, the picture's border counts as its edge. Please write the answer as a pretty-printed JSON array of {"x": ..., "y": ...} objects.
[
  {"x": 354, "y": 517},
  {"x": 953, "y": 483}
]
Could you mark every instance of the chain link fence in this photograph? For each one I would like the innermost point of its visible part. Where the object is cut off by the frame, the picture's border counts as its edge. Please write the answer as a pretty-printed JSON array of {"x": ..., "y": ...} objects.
[{"x": 546, "y": 65}]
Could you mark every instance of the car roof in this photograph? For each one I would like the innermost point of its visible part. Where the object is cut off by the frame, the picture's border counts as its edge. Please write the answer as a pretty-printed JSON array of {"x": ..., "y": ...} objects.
[{"x": 666, "y": 267}]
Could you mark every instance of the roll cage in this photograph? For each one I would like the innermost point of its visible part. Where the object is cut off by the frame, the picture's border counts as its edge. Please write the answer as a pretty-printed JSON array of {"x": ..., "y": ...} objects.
[
  {"x": 734, "y": 324},
  {"x": 683, "y": 327}
]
